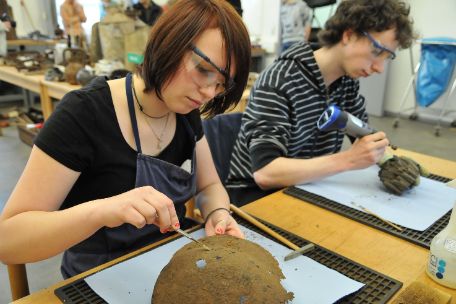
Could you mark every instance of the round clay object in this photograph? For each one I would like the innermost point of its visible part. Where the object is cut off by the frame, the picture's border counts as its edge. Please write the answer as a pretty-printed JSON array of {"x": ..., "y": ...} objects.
[{"x": 233, "y": 271}]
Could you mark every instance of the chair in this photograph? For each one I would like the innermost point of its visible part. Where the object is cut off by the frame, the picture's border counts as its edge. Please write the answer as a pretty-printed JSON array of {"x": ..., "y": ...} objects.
[
  {"x": 221, "y": 133},
  {"x": 18, "y": 281}
]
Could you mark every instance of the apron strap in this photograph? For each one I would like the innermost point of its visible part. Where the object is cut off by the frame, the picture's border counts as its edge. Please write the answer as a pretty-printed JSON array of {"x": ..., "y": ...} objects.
[
  {"x": 131, "y": 108},
  {"x": 188, "y": 127}
]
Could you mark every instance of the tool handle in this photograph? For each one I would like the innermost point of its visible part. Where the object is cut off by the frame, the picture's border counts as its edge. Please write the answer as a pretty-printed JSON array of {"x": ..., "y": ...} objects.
[{"x": 263, "y": 227}]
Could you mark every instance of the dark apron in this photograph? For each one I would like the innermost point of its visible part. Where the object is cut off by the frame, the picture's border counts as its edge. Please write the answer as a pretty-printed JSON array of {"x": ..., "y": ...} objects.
[{"x": 173, "y": 181}]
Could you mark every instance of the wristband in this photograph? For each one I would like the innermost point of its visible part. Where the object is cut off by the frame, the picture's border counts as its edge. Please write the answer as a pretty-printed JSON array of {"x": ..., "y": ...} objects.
[{"x": 216, "y": 209}]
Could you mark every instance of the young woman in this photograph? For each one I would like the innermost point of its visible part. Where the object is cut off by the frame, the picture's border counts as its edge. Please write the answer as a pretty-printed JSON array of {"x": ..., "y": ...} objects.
[{"x": 115, "y": 163}]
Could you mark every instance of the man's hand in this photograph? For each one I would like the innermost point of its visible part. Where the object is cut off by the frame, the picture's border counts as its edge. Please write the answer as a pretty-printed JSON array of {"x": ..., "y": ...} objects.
[
  {"x": 367, "y": 150},
  {"x": 7, "y": 25}
]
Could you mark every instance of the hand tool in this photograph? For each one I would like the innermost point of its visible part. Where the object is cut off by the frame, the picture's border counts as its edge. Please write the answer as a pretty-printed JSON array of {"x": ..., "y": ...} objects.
[
  {"x": 377, "y": 216},
  {"x": 182, "y": 232},
  {"x": 333, "y": 118},
  {"x": 296, "y": 250}
]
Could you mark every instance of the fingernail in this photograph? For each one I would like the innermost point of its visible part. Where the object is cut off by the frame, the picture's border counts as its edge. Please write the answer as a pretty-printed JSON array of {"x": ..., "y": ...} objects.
[{"x": 177, "y": 225}]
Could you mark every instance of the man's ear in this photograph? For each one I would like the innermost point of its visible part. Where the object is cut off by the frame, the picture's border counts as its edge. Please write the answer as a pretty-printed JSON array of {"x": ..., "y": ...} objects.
[{"x": 347, "y": 35}]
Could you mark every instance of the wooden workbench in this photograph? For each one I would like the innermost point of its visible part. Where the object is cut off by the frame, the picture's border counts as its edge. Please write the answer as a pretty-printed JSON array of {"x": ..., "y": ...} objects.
[
  {"x": 36, "y": 83},
  {"x": 370, "y": 247},
  {"x": 31, "y": 42}
]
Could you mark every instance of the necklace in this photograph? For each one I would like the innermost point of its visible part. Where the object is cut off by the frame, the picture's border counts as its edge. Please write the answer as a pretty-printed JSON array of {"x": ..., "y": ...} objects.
[
  {"x": 141, "y": 108},
  {"x": 159, "y": 138}
]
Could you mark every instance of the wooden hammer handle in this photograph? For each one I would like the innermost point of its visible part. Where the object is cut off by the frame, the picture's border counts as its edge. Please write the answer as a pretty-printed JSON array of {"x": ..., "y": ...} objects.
[{"x": 263, "y": 227}]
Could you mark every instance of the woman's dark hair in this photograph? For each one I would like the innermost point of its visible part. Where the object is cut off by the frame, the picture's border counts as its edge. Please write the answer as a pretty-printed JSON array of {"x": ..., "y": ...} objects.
[
  {"x": 175, "y": 31},
  {"x": 369, "y": 15}
]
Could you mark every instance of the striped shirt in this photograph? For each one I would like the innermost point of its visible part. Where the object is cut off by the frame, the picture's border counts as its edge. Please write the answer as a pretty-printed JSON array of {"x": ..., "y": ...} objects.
[{"x": 282, "y": 112}]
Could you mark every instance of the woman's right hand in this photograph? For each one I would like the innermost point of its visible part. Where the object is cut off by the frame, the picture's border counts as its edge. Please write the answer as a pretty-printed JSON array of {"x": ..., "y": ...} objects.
[{"x": 138, "y": 207}]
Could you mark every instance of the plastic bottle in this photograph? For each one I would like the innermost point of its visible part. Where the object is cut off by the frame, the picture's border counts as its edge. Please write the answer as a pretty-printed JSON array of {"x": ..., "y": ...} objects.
[{"x": 442, "y": 256}]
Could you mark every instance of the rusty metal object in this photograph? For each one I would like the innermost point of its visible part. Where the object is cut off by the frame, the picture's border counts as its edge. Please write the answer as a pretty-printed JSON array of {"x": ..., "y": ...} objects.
[
  {"x": 399, "y": 174},
  {"x": 74, "y": 60},
  {"x": 71, "y": 70},
  {"x": 28, "y": 61}
]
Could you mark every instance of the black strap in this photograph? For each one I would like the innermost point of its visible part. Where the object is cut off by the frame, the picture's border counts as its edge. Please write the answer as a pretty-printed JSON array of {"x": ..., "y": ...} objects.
[{"x": 131, "y": 108}]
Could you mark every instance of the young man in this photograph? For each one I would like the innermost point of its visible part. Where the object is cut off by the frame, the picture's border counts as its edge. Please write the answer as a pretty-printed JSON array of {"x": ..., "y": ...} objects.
[{"x": 279, "y": 143}]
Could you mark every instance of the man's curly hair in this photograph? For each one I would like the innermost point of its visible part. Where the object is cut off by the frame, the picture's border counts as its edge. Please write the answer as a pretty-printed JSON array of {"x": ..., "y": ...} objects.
[{"x": 369, "y": 15}]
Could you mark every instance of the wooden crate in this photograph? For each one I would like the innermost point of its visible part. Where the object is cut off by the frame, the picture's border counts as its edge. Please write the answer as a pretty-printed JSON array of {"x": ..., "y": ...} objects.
[{"x": 27, "y": 135}]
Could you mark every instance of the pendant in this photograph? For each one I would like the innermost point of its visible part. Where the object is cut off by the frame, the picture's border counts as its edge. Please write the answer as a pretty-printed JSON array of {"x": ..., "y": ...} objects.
[{"x": 158, "y": 144}]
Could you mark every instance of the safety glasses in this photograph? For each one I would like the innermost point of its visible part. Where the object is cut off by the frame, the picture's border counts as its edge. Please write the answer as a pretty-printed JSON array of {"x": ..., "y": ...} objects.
[
  {"x": 205, "y": 73},
  {"x": 378, "y": 49}
]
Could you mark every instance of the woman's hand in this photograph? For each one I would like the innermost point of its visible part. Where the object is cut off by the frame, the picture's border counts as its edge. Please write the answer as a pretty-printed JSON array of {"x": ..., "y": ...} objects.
[
  {"x": 221, "y": 222},
  {"x": 139, "y": 206}
]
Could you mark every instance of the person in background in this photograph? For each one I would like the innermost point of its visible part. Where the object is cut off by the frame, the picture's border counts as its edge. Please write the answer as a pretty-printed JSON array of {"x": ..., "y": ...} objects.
[
  {"x": 237, "y": 5},
  {"x": 148, "y": 11},
  {"x": 279, "y": 143},
  {"x": 168, "y": 4},
  {"x": 113, "y": 166},
  {"x": 104, "y": 5},
  {"x": 295, "y": 22},
  {"x": 73, "y": 16},
  {"x": 5, "y": 26}
]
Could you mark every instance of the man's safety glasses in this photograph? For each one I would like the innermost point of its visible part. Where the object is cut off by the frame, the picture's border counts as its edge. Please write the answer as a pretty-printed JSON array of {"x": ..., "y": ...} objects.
[
  {"x": 378, "y": 49},
  {"x": 205, "y": 73}
]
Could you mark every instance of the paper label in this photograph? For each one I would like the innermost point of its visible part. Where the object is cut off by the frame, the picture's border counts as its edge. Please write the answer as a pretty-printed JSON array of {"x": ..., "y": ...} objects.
[{"x": 450, "y": 245}]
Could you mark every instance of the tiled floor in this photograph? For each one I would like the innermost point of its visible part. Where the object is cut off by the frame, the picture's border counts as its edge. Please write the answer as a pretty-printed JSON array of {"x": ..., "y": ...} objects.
[{"x": 411, "y": 135}]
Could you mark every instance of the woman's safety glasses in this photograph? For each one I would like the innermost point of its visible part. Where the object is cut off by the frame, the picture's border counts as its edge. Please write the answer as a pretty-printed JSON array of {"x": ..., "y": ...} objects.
[{"x": 206, "y": 73}]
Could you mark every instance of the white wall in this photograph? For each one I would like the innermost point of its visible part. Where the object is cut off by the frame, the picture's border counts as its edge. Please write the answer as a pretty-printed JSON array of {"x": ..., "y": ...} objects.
[
  {"x": 262, "y": 20},
  {"x": 40, "y": 14},
  {"x": 432, "y": 19}
]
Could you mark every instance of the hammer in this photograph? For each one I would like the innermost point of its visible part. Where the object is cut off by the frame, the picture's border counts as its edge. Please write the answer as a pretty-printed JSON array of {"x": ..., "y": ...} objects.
[{"x": 297, "y": 251}]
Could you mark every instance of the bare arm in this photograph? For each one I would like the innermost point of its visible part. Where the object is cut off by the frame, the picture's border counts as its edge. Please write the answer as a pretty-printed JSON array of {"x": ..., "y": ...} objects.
[
  {"x": 66, "y": 18},
  {"x": 283, "y": 172},
  {"x": 5, "y": 26},
  {"x": 32, "y": 228},
  {"x": 80, "y": 12},
  {"x": 307, "y": 31},
  {"x": 212, "y": 194}
]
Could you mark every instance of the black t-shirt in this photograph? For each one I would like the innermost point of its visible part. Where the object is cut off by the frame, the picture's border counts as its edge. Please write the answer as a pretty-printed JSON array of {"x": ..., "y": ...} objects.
[{"x": 83, "y": 134}]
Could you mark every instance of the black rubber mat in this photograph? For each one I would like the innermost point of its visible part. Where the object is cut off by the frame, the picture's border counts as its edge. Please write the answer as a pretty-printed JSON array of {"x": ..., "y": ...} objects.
[
  {"x": 379, "y": 287},
  {"x": 422, "y": 238}
]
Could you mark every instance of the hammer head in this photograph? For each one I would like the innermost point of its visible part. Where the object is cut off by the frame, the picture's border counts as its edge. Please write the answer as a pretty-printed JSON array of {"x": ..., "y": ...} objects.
[{"x": 299, "y": 252}]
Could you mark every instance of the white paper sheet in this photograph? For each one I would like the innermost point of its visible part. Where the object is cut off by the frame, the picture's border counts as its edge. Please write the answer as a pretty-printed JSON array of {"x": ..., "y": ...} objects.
[
  {"x": 417, "y": 209},
  {"x": 132, "y": 281}
]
